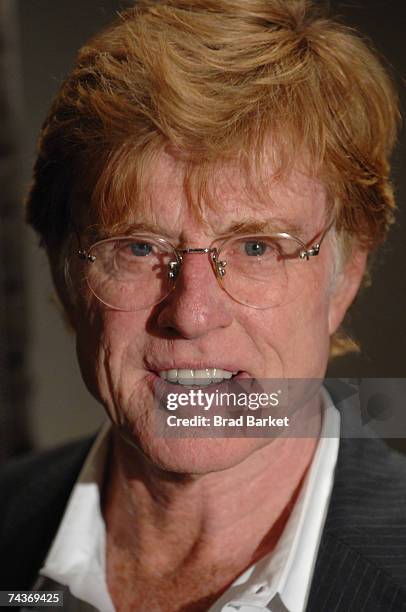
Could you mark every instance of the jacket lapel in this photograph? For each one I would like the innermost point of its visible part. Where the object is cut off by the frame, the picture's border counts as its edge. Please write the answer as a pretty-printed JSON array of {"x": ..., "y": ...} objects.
[{"x": 361, "y": 564}]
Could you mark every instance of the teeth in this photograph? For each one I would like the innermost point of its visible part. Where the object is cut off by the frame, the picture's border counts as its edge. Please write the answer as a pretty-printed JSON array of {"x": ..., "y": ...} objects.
[
  {"x": 172, "y": 375},
  {"x": 202, "y": 378}
]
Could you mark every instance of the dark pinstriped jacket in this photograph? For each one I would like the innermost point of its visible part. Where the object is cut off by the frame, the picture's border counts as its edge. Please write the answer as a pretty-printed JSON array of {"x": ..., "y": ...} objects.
[{"x": 361, "y": 564}]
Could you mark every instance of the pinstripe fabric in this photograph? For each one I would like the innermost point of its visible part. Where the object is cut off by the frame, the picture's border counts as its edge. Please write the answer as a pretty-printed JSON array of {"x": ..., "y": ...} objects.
[{"x": 361, "y": 564}]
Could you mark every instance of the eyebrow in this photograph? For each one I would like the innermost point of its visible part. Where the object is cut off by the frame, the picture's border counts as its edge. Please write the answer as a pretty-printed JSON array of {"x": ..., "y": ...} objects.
[
  {"x": 262, "y": 227},
  {"x": 248, "y": 226}
]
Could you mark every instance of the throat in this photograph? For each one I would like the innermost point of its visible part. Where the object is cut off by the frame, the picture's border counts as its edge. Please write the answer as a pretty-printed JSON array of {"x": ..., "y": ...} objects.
[
  {"x": 161, "y": 581},
  {"x": 192, "y": 588}
]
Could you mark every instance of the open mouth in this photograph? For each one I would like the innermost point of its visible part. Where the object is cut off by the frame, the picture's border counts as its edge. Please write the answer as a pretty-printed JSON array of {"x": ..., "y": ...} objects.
[{"x": 197, "y": 377}]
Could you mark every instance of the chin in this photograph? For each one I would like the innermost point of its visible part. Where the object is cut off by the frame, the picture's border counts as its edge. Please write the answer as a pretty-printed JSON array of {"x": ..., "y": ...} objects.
[{"x": 193, "y": 456}]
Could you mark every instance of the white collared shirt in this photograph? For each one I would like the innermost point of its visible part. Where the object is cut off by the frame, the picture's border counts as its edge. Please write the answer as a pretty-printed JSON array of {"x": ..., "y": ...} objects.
[{"x": 279, "y": 582}]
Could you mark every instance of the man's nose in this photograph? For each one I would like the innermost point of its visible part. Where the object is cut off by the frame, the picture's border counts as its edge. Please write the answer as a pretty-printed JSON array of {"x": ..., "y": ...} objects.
[{"x": 197, "y": 305}]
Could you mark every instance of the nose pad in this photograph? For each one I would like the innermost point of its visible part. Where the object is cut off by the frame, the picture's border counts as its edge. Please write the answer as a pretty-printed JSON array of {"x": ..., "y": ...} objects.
[
  {"x": 219, "y": 267},
  {"x": 173, "y": 270}
]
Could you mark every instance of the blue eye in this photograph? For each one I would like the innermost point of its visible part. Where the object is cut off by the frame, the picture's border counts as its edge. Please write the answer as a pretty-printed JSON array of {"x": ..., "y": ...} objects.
[
  {"x": 140, "y": 249},
  {"x": 255, "y": 248}
]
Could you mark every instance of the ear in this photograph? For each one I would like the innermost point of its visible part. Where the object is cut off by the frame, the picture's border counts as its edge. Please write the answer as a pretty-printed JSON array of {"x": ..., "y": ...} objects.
[{"x": 346, "y": 287}]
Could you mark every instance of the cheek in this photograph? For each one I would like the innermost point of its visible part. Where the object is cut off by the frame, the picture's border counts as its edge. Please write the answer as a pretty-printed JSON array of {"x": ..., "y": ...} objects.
[
  {"x": 295, "y": 336},
  {"x": 309, "y": 331},
  {"x": 108, "y": 346}
]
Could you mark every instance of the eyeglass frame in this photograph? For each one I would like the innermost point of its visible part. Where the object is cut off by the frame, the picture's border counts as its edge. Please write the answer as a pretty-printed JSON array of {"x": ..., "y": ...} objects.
[{"x": 174, "y": 267}]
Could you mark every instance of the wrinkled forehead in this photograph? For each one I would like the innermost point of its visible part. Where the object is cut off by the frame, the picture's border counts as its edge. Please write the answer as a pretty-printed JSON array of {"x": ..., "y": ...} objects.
[{"x": 171, "y": 196}]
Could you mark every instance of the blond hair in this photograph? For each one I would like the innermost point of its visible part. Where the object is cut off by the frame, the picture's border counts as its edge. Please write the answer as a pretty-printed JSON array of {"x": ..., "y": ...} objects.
[{"x": 216, "y": 80}]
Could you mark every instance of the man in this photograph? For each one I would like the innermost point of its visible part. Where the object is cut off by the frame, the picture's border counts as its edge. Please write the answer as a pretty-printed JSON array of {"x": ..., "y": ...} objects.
[{"x": 210, "y": 181}]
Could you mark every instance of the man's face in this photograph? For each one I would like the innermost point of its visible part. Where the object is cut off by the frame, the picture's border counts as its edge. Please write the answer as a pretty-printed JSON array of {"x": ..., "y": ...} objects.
[{"x": 199, "y": 326}]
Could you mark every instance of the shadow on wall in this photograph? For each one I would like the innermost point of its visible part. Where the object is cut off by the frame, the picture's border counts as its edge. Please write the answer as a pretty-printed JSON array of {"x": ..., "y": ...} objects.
[{"x": 14, "y": 436}]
